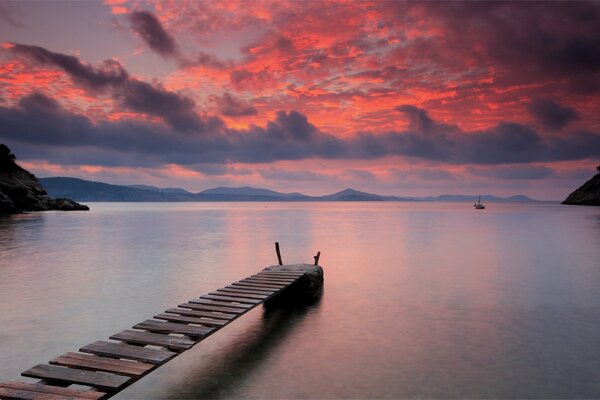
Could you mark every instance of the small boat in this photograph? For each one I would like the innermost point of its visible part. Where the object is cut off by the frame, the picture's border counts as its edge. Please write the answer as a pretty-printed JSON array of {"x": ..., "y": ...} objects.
[{"x": 478, "y": 205}]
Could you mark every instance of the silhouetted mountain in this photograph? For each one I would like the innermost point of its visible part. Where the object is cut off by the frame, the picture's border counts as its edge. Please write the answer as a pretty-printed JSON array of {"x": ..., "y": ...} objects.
[
  {"x": 588, "y": 194},
  {"x": 484, "y": 198},
  {"x": 83, "y": 190},
  {"x": 250, "y": 191},
  {"x": 351, "y": 195},
  {"x": 157, "y": 189}
]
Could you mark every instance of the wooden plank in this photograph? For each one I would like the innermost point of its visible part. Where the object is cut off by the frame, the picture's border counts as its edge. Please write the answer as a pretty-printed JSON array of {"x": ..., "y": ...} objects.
[
  {"x": 207, "y": 307},
  {"x": 287, "y": 278},
  {"x": 266, "y": 281},
  {"x": 120, "y": 350},
  {"x": 234, "y": 293},
  {"x": 246, "y": 290},
  {"x": 274, "y": 280},
  {"x": 212, "y": 302},
  {"x": 102, "y": 364},
  {"x": 255, "y": 285},
  {"x": 51, "y": 390},
  {"x": 191, "y": 320},
  {"x": 156, "y": 339},
  {"x": 99, "y": 380},
  {"x": 153, "y": 325},
  {"x": 281, "y": 274},
  {"x": 9, "y": 393},
  {"x": 194, "y": 313},
  {"x": 262, "y": 283},
  {"x": 232, "y": 299},
  {"x": 252, "y": 289}
]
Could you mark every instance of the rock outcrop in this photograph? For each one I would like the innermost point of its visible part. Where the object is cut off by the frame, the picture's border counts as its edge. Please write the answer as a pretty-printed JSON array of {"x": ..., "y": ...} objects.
[
  {"x": 588, "y": 194},
  {"x": 21, "y": 191},
  {"x": 305, "y": 291}
]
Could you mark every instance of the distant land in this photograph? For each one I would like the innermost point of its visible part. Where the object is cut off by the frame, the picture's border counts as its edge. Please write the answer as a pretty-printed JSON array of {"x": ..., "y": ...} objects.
[
  {"x": 588, "y": 194},
  {"x": 83, "y": 190}
]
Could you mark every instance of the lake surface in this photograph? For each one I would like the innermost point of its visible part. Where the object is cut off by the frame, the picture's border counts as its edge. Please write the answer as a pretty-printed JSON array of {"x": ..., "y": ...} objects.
[{"x": 421, "y": 300}]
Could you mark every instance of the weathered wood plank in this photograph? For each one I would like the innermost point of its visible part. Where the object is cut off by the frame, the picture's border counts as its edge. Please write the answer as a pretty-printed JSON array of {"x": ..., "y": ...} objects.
[
  {"x": 50, "y": 390},
  {"x": 102, "y": 364},
  {"x": 120, "y": 350},
  {"x": 276, "y": 275},
  {"x": 99, "y": 380},
  {"x": 196, "y": 332},
  {"x": 233, "y": 293},
  {"x": 157, "y": 339},
  {"x": 252, "y": 289},
  {"x": 231, "y": 299},
  {"x": 197, "y": 305},
  {"x": 262, "y": 283},
  {"x": 246, "y": 290},
  {"x": 213, "y": 302},
  {"x": 267, "y": 281},
  {"x": 194, "y": 313},
  {"x": 285, "y": 281},
  {"x": 191, "y": 320},
  {"x": 280, "y": 275},
  {"x": 260, "y": 286},
  {"x": 20, "y": 394}
]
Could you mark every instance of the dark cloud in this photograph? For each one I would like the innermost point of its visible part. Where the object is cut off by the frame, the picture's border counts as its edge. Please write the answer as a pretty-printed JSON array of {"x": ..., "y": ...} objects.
[
  {"x": 233, "y": 107},
  {"x": 152, "y": 32},
  {"x": 110, "y": 77},
  {"x": 535, "y": 40},
  {"x": 552, "y": 115},
  {"x": 109, "y": 73},
  {"x": 43, "y": 129},
  {"x": 149, "y": 28},
  {"x": 177, "y": 111},
  {"x": 513, "y": 172}
]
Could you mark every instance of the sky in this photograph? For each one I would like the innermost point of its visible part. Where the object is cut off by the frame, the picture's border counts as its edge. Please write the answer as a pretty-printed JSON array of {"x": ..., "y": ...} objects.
[{"x": 398, "y": 98}]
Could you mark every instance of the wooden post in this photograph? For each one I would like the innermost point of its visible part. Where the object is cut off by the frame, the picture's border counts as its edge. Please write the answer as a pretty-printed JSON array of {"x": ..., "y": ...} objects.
[
  {"x": 317, "y": 257},
  {"x": 278, "y": 253}
]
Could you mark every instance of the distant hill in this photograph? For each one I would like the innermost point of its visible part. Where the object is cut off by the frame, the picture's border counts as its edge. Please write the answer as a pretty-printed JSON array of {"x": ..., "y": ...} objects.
[
  {"x": 588, "y": 194},
  {"x": 484, "y": 198},
  {"x": 157, "y": 189},
  {"x": 82, "y": 190},
  {"x": 250, "y": 191},
  {"x": 351, "y": 195}
]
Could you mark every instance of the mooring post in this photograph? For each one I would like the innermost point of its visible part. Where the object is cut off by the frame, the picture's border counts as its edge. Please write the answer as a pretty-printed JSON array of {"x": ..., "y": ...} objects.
[
  {"x": 317, "y": 257},
  {"x": 278, "y": 253}
]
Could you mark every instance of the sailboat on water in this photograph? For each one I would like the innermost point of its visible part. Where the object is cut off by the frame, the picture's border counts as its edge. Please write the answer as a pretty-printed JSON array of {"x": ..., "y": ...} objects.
[{"x": 478, "y": 205}]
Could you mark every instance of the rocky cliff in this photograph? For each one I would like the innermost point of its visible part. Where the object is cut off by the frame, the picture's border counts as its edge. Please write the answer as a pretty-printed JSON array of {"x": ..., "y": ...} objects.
[
  {"x": 588, "y": 194},
  {"x": 21, "y": 191}
]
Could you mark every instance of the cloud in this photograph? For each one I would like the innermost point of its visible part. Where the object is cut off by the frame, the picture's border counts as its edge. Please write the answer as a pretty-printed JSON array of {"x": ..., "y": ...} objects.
[
  {"x": 513, "y": 172},
  {"x": 233, "y": 107},
  {"x": 149, "y": 28},
  {"x": 54, "y": 133},
  {"x": 109, "y": 73},
  {"x": 552, "y": 115},
  {"x": 110, "y": 77}
]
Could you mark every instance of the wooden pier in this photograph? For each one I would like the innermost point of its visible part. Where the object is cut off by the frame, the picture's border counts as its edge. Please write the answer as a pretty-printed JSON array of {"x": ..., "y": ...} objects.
[{"x": 103, "y": 368}]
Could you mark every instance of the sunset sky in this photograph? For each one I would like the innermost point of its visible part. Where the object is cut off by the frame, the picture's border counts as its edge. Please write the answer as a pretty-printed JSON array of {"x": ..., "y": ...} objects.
[{"x": 402, "y": 98}]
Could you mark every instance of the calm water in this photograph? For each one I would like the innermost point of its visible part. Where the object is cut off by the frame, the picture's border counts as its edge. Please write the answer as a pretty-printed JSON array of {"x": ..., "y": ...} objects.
[{"x": 421, "y": 300}]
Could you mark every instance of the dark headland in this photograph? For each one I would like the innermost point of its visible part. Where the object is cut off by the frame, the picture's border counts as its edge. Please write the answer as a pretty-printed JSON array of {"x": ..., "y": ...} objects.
[
  {"x": 588, "y": 194},
  {"x": 21, "y": 191}
]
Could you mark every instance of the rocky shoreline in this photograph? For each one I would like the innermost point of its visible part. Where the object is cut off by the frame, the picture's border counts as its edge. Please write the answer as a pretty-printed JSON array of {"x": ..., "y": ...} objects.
[
  {"x": 20, "y": 190},
  {"x": 588, "y": 194}
]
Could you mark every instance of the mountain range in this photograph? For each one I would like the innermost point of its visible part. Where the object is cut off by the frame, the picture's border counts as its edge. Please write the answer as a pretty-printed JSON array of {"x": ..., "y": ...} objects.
[{"x": 83, "y": 190}]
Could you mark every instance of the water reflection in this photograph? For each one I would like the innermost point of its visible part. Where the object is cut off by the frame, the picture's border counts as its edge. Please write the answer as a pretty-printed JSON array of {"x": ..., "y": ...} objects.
[
  {"x": 421, "y": 300},
  {"x": 237, "y": 361}
]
